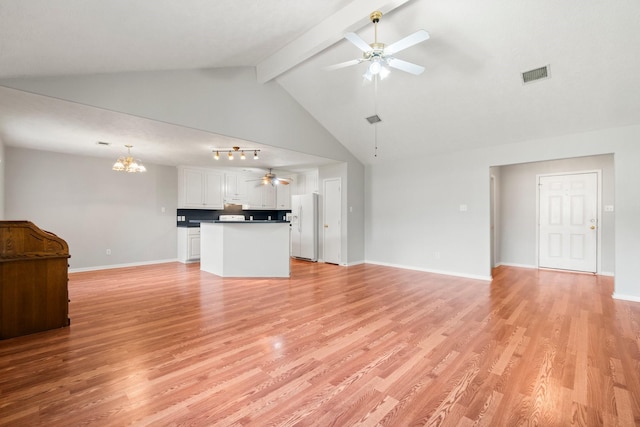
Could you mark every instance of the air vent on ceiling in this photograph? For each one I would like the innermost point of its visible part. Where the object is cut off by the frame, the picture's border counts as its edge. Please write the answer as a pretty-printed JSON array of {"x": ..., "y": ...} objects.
[
  {"x": 374, "y": 119},
  {"x": 103, "y": 143},
  {"x": 537, "y": 74}
]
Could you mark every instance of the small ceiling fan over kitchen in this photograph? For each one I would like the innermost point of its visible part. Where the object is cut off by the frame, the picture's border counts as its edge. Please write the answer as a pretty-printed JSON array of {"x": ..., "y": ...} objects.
[
  {"x": 270, "y": 178},
  {"x": 380, "y": 56}
]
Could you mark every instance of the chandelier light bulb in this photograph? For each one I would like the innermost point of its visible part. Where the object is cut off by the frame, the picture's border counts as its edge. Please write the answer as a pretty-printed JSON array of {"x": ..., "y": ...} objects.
[
  {"x": 230, "y": 155},
  {"x": 128, "y": 163},
  {"x": 255, "y": 155},
  {"x": 217, "y": 155},
  {"x": 242, "y": 156}
]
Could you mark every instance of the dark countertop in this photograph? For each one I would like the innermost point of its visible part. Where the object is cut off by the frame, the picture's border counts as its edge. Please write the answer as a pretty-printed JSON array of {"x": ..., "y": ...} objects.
[{"x": 197, "y": 222}]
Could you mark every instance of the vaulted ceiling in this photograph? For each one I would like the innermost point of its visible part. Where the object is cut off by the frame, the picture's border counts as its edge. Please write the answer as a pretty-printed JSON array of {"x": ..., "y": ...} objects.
[{"x": 470, "y": 96}]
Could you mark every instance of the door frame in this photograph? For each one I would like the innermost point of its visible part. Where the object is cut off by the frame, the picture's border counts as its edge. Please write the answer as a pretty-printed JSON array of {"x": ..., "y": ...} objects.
[
  {"x": 598, "y": 173},
  {"x": 492, "y": 221},
  {"x": 324, "y": 219}
]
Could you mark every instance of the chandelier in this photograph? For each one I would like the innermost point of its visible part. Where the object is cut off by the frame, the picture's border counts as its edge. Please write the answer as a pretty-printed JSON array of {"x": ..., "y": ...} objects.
[
  {"x": 231, "y": 152},
  {"x": 128, "y": 163}
]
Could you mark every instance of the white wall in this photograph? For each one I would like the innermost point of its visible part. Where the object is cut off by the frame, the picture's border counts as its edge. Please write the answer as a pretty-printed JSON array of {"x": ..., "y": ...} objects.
[
  {"x": 227, "y": 101},
  {"x": 2, "y": 179},
  {"x": 414, "y": 220},
  {"x": 93, "y": 208},
  {"x": 427, "y": 194},
  {"x": 518, "y": 188}
]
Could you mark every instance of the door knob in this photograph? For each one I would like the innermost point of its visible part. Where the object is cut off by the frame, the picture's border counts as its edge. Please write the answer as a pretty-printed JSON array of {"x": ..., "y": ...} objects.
[
  {"x": 326, "y": 226},
  {"x": 593, "y": 227}
]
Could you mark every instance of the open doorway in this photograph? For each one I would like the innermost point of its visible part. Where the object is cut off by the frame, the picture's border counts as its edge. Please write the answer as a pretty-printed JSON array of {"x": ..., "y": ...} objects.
[{"x": 515, "y": 210}]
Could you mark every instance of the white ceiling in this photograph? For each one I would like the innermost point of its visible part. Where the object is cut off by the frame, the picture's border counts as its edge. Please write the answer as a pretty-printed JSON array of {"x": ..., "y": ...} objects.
[{"x": 470, "y": 95}]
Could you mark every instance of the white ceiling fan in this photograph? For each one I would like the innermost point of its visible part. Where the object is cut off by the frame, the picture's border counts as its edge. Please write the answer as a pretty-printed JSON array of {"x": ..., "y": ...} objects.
[{"x": 380, "y": 56}]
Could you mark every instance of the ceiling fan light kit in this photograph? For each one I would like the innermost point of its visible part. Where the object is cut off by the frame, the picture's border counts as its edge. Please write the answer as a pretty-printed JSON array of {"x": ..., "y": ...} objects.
[
  {"x": 380, "y": 56},
  {"x": 270, "y": 178}
]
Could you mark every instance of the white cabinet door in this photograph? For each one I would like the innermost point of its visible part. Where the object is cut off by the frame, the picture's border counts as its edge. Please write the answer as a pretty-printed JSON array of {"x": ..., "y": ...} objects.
[
  {"x": 254, "y": 195},
  {"x": 235, "y": 188},
  {"x": 306, "y": 183},
  {"x": 260, "y": 196},
  {"x": 193, "y": 246},
  {"x": 311, "y": 182},
  {"x": 188, "y": 244},
  {"x": 283, "y": 197},
  {"x": 213, "y": 196},
  {"x": 200, "y": 188},
  {"x": 193, "y": 188},
  {"x": 268, "y": 197}
]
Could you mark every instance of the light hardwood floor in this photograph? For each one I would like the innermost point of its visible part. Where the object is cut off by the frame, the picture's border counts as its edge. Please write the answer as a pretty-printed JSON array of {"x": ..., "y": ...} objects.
[{"x": 365, "y": 345}]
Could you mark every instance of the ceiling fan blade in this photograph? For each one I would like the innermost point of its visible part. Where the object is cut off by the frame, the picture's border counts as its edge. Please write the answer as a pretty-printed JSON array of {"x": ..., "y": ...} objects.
[
  {"x": 342, "y": 64},
  {"x": 358, "y": 42},
  {"x": 410, "y": 40},
  {"x": 405, "y": 66}
]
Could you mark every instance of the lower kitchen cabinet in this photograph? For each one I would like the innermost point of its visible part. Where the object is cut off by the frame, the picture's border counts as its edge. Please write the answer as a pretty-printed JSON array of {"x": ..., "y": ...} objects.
[{"x": 188, "y": 244}]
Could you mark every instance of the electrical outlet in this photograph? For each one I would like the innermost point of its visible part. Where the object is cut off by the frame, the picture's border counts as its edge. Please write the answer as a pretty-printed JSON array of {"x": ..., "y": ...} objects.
[
  {"x": 108, "y": 251},
  {"x": 437, "y": 255}
]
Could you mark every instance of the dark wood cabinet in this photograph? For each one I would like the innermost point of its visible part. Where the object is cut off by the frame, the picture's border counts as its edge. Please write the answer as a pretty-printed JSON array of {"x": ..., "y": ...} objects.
[{"x": 33, "y": 280}]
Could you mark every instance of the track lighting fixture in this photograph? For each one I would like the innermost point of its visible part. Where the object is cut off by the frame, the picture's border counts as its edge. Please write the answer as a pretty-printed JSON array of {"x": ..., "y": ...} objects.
[{"x": 233, "y": 150}]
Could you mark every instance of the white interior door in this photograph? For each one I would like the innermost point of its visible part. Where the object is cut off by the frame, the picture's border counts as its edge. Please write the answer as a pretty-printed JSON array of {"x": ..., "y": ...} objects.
[
  {"x": 568, "y": 228},
  {"x": 332, "y": 214}
]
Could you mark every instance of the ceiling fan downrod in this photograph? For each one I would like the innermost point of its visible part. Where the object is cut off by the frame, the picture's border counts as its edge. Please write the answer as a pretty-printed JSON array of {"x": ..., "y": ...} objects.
[{"x": 375, "y": 18}]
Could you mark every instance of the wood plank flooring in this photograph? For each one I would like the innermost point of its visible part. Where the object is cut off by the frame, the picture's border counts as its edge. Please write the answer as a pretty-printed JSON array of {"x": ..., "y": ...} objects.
[{"x": 168, "y": 345}]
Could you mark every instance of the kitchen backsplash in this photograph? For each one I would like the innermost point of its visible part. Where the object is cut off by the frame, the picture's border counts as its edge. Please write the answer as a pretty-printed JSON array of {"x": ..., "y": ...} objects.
[{"x": 183, "y": 216}]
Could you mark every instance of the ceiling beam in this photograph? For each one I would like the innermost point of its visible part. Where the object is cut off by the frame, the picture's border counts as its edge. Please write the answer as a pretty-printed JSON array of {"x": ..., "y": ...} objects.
[{"x": 351, "y": 18}]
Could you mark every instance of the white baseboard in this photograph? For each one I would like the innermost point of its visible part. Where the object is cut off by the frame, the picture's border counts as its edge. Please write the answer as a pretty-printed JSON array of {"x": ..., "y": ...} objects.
[
  {"x": 511, "y": 264},
  {"x": 427, "y": 270},
  {"x": 625, "y": 297},
  {"x": 108, "y": 267},
  {"x": 354, "y": 263}
]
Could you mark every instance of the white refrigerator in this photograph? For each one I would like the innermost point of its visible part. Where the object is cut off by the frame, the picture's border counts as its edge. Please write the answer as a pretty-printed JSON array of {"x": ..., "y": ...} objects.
[{"x": 304, "y": 226}]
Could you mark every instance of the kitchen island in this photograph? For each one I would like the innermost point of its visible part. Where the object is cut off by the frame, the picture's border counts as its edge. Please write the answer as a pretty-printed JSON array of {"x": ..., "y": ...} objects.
[{"x": 245, "y": 248}]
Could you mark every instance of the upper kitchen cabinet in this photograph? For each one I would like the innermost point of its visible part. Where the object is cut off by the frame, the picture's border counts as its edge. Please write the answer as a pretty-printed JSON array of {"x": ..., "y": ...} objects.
[
  {"x": 235, "y": 191},
  {"x": 200, "y": 188},
  {"x": 307, "y": 183},
  {"x": 261, "y": 196},
  {"x": 283, "y": 197}
]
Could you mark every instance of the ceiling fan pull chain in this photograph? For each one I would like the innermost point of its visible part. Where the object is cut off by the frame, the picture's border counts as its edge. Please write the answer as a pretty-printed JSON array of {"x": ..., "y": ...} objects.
[
  {"x": 375, "y": 110},
  {"x": 375, "y": 136}
]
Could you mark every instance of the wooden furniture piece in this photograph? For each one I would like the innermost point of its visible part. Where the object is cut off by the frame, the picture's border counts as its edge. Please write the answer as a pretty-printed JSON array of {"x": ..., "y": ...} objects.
[{"x": 33, "y": 279}]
